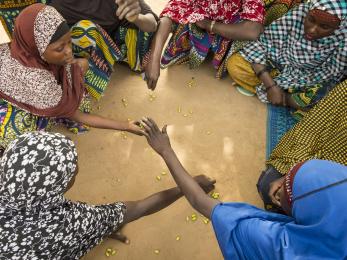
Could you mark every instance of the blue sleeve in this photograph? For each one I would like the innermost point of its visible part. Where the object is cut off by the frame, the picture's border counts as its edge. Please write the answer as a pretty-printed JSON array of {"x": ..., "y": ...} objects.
[{"x": 246, "y": 232}]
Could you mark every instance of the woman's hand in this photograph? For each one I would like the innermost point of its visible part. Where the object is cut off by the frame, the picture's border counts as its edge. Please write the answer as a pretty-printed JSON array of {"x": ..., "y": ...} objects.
[
  {"x": 82, "y": 63},
  {"x": 276, "y": 95},
  {"x": 134, "y": 127},
  {"x": 274, "y": 195},
  {"x": 204, "y": 24},
  {"x": 205, "y": 183},
  {"x": 128, "y": 9},
  {"x": 157, "y": 139},
  {"x": 152, "y": 73}
]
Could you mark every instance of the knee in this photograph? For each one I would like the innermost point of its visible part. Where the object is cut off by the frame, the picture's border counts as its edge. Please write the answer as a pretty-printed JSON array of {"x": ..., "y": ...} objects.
[
  {"x": 232, "y": 66},
  {"x": 84, "y": 25}
]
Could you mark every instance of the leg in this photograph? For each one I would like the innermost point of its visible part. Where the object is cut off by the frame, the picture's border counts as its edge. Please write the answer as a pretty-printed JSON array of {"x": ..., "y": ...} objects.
[
  {"x": 91, "y": 41},
  {"x": 263, "y": 186},
  {"x": 153, "y": 67},
  {"x": 242, "y": 73}
]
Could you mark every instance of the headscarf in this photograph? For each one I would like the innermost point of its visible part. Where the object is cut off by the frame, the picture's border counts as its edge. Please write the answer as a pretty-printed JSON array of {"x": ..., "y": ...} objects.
[
  {"x": 36, "y": 221},
  {"x": 226, "y": 11},
  {"x": 27, "y": 80},
  {"x": 317, "y": 229},
  {"x": 302, "y": 62}
]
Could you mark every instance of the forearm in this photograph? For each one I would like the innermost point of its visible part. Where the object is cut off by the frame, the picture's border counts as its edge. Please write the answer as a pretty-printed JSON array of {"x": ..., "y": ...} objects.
[
  {"x": 265, "y": 77},
  {"x": 160, "y": 38},
  {"x": 99, "y": 121},
  {"x": 189, "y": 187},
  {"x": 146, "y": 23},
  {"x": 246, "y": 30},
  {"x": 152, "y": 204}
]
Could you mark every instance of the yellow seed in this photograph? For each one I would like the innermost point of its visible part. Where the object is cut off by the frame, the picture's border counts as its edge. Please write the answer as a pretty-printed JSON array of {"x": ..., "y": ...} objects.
[
  {"x": 114, "y": 252},
  {"x": 185, "y": 115},
  {"x": 178, "y": 238},
  {"x": 129, "y": 119},
  {"x": 206, "y": 221},
  {"x": 194, "y": 217},
  {"x": 163, "y": 173},
  {"x": 187, "y": 218},
  {"x": 179, "y": 109},
  {"x": 158, "y": 178},
  {"x": 215, "y": 195},
  {"x": 151, "y": 99},
  {"x": 107, "y": 254},
  {"x": 190, "y": 111},
  {"x": 125, "y": 137},
  {"x": 109, "y": 250},
  {"x": 157, "y": 251},
  {"x": 124, "y": 100}
]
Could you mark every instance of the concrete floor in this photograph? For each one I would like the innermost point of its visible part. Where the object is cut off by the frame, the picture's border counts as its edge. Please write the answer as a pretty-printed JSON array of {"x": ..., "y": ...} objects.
[{"x": 223, "y": 137}]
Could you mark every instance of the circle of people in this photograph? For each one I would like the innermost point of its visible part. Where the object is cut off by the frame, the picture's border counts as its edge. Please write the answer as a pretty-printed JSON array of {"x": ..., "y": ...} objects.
[{"x": 291, "y": 54}]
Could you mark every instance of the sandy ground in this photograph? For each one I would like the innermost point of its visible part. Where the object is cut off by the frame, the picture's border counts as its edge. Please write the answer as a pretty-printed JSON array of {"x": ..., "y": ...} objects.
[{"x": 218, "y": 132}]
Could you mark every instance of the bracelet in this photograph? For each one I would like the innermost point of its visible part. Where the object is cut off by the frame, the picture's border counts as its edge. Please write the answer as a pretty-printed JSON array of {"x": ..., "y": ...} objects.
[
  {"x": 261, "y": 72},
  {"x": 212, "y": 26},
  {"x": 271, "y": 86}
]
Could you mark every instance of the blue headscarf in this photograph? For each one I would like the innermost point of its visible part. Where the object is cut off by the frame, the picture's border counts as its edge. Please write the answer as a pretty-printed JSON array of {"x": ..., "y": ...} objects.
[{"x": 317, "y": 229}]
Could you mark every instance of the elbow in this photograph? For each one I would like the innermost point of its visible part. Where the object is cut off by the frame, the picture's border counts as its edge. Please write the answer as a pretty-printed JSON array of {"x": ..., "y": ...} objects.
[
  {"x": 153, "y": 28},
  {"x": 254, "y": 30}
]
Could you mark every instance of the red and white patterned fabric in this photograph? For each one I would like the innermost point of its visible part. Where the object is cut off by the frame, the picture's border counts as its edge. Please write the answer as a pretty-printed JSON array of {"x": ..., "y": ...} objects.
[{"x": 226, "y": 11}]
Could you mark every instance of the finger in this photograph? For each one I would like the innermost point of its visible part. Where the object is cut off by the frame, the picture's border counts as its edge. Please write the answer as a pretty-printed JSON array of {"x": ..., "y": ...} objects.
[
  {"x": 147, "y": 126},
  {"x": 121, "y": 8},
  {"x": 154, "y": 124},
  {"x": 213, "y": 181},
  {"x": 164, "y": 130},
  {"x": 132, "y": 15},
  {"x": 148, "y": 130},
  {"x": 122, "y": 238},
  {"x": 154, "y": 85},
  {"x": 125, "y": 11},
  {"x": 149, "y": 122}
]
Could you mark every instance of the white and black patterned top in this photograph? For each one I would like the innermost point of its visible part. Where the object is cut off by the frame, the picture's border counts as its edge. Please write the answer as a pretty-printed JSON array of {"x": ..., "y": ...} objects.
[
  {"x": 303, "y": 63},
  {"x": 36, "y": 221}
]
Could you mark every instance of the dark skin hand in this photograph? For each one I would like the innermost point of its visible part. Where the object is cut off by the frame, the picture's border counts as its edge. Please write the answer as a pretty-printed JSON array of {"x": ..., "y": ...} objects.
[{"x": 160, "y": 142}]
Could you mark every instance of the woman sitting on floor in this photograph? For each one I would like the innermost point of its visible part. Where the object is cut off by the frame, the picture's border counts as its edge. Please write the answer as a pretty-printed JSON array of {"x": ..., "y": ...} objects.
[
  {"x": 314, "y": 196},
  {"x": 38, "y": 222},
  {"x": 201, "y": 26},
  {"x": 298, "y": 58},
  {"x": 321, "y": 134},
  {"x": 41, "y": 82},
  {"x": 102, "y": 31}
]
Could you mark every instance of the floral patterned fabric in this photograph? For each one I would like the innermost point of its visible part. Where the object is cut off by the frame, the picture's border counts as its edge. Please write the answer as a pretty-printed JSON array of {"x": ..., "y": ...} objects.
[
  {"x": 227, "y": 11},
  {"x": 36, "y": 221}
]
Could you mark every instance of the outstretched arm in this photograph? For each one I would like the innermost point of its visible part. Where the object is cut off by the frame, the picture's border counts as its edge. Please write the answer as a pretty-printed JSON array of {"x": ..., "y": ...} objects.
[
  {"x": 245, "y": 30},
  {"x": 106, "y": 123},
  {"x": 161, "y": 200},
  {"x": 160, "y": 142}
]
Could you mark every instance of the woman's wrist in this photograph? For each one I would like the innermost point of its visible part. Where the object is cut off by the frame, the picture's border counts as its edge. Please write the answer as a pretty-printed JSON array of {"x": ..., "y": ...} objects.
[{"x": 166, "y": 152}]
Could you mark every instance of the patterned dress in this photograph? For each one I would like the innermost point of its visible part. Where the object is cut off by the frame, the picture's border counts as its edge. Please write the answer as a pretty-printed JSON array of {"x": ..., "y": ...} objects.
[
  {"x": 36, "y": 220},
  {"x": 306, "y": 68},
  {"x": 190, "y": 44}
]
